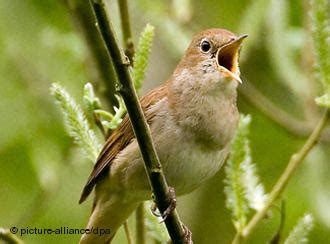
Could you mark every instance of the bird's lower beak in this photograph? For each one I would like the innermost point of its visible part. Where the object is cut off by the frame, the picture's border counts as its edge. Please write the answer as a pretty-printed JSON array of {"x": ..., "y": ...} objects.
[{"x": 227, "y": 59}]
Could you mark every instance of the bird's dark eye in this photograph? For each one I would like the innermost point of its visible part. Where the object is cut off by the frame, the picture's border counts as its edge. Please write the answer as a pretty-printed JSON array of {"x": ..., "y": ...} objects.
[{"x": 205, "y": 46}]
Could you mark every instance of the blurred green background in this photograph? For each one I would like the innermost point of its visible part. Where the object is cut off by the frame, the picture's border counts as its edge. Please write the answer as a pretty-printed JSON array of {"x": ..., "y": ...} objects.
[{"x": 42, "y": 173}]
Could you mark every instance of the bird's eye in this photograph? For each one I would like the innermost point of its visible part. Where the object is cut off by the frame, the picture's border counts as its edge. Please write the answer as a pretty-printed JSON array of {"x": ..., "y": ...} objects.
[{"x": 205, "y": 46}]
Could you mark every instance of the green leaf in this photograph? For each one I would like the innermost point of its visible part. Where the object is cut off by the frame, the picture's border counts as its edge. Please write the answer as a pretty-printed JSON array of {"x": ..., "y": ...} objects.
[
  {"x": 321, "y": 36},
  {"x": 242, "y": 187},
  {"x": 91, "y": 102},
  {"x": 300, "y": 232},
  {"x": 234, "y": 189},
  {"x": 141, "y": 57},
  {"x": 155, "y": 227},
  {"x": 76, "y": 123},
  {"x": 113, "y": 120},
  {"x": 254, "y": 190}
]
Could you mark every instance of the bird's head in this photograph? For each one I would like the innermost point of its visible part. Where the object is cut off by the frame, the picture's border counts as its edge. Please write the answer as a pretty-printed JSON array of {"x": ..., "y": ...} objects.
[{"x": 211, "y": 60}]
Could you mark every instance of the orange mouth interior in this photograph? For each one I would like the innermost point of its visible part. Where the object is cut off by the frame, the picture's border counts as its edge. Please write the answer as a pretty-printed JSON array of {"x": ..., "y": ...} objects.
[{"x": 227, "y": 57}]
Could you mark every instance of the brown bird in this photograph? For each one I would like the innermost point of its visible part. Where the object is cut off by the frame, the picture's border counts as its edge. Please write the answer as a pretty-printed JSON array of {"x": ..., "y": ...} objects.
[{"x": 192, "y": 119}]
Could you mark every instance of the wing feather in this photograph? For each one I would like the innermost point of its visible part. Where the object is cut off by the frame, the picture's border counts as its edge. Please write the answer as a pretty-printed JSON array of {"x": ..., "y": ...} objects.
[{"x": 119, "y": 139}]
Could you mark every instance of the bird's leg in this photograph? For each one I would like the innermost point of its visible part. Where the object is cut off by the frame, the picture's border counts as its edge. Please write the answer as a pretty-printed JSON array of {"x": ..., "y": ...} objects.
[
  {"x": 172, "y": 205},
  {"x": 187, "y": 235},
  {"x": 169, "y": 209}
]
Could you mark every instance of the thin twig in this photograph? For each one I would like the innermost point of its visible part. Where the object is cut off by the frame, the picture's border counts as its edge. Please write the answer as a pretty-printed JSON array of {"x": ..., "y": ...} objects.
[
  {"x": 83, "y": 18},
  {"x": 126, "y": 28},
  {"x": 140, "y": 225},
  {"x": 127, "y": 233},
  {"x": 151, "y": 161},
  {"x": 8, "y": 237},
  {"x": 130, "y": 51},
  {"x": 295, "y": 161}
]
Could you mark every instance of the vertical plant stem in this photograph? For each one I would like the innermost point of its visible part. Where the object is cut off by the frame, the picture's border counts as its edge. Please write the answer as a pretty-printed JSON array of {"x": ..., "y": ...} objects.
[
  {"x": 151, "y": 161},
  {"x": 126, "y": 28},
  {"x": 7, "y": 237},
  {"x": 83, "y": 18},
  {"x": 295, "y": 160},
  {"x": 140, "y": 225},
  {"x": 130, "y": 51},
  {"x": 238, "y": 238},
  {"x": 127, "y": 233}
]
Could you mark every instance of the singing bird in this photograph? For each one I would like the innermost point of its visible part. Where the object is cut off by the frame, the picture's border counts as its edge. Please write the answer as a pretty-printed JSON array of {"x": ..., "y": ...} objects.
[{"x": 192, "y": 118}]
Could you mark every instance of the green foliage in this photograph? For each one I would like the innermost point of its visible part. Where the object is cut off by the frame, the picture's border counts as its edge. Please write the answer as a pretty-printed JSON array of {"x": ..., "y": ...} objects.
[
  {"x": 254, "y": 190},
  {"x": 321, "y": 36},
  {"x": 155, "y": 228},
  {"x": 141, "y": 56},
  {"x": 324, "y": 100},
  {"x": 300, "y": 232},
  {"x": 76, "y": 122},
  {"x": 235, "y": 192},
  {"x": 93, "y": 105},
  {"x": 243, "y": 190},
  {"x": 110, "y": 120},
  {"x": 91, "y": 102}
]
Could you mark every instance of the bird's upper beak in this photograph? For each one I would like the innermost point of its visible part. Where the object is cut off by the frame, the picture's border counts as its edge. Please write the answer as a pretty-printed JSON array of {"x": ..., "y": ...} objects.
[{"x": 227, "y": 58}]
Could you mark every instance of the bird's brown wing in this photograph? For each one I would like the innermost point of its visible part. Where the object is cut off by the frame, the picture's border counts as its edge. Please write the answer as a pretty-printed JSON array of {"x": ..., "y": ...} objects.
[{"x": 119, "y": 139}]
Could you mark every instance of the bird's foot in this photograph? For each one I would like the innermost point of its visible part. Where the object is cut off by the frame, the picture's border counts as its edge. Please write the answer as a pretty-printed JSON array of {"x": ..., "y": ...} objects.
[
  {"x": 169, "y": 209},
  {"x": 187, "y": 235},
  {"x": 155, "y": 210}
]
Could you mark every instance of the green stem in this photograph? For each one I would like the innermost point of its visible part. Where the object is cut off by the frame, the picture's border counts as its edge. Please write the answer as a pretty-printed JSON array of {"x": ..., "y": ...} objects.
[
  {"x": 151, "y": 161},
  {"x": 126, "y": 28},
  {"x": 127, "y": 233},
  {"x": 105, "y": 114},
  {"x": 140, "y": 225},
  {"x": 83, "y": 18},
  {"x": 295, "y": 160},
  {"x": 237, "y": 238},
  {"x": 8, "y": 237},
  {"x": 130, "y": 51}
]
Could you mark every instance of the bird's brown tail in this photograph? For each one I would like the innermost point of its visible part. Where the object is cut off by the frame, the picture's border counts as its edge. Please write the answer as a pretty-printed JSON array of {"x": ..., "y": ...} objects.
[{"x": 106, "y": 218}]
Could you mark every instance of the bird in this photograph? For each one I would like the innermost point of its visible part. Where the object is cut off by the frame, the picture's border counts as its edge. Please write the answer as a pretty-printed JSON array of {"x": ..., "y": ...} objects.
[{"x": 192, "y": 117}]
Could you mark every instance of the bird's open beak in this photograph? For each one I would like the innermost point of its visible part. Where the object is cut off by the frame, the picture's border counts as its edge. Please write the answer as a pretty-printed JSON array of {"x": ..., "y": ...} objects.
[{"x": 227, "y": 58}]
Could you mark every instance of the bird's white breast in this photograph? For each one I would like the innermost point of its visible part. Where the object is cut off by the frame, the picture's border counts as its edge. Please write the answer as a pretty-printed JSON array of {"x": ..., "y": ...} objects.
[{"x": 187, "y": 163}]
